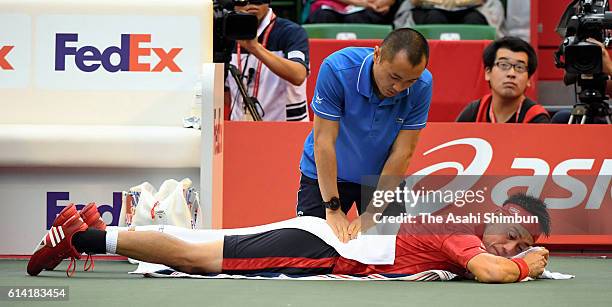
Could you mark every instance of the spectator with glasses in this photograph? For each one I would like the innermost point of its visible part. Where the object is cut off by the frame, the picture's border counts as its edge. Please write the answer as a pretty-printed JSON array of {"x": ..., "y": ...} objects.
[
  {"x": 273, "y": 67},
  {"x": 509, "y": 64}
]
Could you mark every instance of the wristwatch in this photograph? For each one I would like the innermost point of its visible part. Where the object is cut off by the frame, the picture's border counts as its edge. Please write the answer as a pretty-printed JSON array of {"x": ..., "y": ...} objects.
[{"x": 333, "y": 203}]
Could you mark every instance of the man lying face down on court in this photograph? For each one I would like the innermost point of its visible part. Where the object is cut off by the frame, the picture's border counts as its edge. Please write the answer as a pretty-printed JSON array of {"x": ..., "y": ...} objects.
[{"x": 479, "y": 251}]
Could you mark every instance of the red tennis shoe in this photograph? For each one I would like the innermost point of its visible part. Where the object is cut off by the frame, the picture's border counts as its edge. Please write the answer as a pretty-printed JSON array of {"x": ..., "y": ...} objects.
[
  {"x": 92, "y": 218},
  {"x": 66, "y": 213},
  {"x": 57, "y": 244}
]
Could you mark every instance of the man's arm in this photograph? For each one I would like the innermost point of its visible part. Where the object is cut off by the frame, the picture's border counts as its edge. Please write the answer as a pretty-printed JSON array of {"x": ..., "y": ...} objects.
[
  {"x": 488, "y": 268},
  {"x": 606, "y": 62},
  {"x": 325, "y": 135},
  {"x": 399, "y": 159},
  {"x": 291, "y": 71},
  {"x": 605, "y": 56},
  {"x": 402, "y": 149},
  {"x": 392, "y": 174}
]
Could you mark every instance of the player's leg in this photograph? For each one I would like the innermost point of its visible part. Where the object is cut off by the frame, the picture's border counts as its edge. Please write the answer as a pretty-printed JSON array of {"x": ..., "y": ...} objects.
[
  {"x": 157, "y": 247},
  {"x": 288, "y": 251},
  {"x": 154, "y": 247}
]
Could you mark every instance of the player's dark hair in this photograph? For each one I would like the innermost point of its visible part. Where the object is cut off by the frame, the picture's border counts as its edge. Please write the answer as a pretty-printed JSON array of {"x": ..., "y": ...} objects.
[{"x": 535, "y": 206}]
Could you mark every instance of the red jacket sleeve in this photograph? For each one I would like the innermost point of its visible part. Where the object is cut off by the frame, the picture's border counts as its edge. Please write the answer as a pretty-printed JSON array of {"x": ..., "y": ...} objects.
[{"x": 460, "y": 248}]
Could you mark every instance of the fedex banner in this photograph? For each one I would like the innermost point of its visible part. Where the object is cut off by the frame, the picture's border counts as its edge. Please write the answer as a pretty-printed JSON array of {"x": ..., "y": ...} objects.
[
  {"x": 132, "y": 53},
  {"x": 15, "y": 51},
  {"x": 102, "y": 62},
  {"x": 32, "y": 197}
]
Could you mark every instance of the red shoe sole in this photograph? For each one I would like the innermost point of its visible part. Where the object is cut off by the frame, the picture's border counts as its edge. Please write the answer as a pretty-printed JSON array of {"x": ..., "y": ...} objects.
[{"x": 91, "y": 216}]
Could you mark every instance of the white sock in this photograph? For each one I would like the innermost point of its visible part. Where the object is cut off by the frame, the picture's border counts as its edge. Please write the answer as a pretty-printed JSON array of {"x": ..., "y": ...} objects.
[
  {"x": 117, "y": 228},
  {"x": 111, "y": 241}
]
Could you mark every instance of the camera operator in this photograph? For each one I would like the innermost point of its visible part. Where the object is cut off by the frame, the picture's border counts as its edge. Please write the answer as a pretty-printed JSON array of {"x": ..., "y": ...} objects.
[
  {"x": 606, "y": 61},
  {"x": 273, "y": 67},
  {"x": 584, "y": 25},
  {"x": 563, "y": 116}
]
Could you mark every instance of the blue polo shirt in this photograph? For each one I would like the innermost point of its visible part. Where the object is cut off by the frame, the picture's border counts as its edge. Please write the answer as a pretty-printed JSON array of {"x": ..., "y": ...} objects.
[{"x": 368, "y": 125}]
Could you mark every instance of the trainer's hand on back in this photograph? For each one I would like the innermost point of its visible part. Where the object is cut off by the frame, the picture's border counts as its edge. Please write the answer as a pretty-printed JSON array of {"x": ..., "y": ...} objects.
[
  {"x": 354, "y": 228},
  {"x": 537, "y": 261},
  {"x": 339, "y": 223},
  {"x": 361, "y": 224}
]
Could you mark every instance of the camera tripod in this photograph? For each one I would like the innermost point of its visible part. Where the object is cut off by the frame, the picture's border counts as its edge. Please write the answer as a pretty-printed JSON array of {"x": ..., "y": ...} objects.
[
  {"x": 250, "y": 102},
  {"x": 592, "y": 103},
  {"x": 582, "y": 112}
]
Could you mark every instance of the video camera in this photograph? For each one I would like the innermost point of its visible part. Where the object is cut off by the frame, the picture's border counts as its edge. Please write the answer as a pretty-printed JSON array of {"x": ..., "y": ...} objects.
[
  {"x": 229, "y": 26},
  {"x": 583, "y": 60},
  {"x": 590, "y": 20}
]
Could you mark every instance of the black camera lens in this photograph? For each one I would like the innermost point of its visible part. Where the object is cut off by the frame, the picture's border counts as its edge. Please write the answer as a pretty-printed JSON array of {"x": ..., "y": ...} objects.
[{"x": 583, "y": 58}]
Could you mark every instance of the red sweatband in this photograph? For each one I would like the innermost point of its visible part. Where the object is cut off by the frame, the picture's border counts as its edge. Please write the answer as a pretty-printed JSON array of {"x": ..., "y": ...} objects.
[
  {"x": 523, "y": 268},
  {"x": 532, "y": 228}
]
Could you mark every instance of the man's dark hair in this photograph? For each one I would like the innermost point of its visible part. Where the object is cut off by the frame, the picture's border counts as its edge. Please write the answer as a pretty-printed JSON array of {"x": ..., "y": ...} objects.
[
  {"x": 408, "y": 40},
  {"x": 534, "y": 206},
  {"x": 513, "y": 44}
]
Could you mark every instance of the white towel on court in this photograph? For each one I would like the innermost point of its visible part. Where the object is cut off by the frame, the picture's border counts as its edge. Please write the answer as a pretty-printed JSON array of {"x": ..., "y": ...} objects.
[
  {"x": 546, "y": 274},
  {"x": 153, "y": 270},
  {"x": 370, "y": 249}
]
